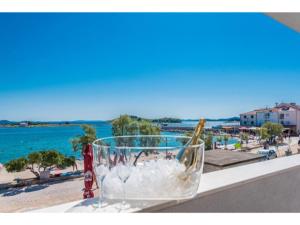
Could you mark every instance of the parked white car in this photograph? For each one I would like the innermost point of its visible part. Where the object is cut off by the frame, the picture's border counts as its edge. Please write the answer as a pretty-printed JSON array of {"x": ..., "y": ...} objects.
[{"x": 268, "y": 153}]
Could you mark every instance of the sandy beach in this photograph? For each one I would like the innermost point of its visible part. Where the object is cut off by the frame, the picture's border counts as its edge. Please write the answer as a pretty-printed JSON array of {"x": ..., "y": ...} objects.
[{"x": 6, "y": 177}]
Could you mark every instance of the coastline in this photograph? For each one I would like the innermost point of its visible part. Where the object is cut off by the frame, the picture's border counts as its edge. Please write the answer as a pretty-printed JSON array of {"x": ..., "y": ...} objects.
[{"x": 39, "y": 125}]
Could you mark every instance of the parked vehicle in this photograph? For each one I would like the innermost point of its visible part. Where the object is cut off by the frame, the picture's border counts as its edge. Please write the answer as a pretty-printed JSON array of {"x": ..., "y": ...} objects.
[{"x": 268, "y": 153}]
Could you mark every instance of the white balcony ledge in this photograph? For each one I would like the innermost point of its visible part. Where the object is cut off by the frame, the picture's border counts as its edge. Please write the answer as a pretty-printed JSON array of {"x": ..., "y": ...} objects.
[{"x": 269, "y": 186}]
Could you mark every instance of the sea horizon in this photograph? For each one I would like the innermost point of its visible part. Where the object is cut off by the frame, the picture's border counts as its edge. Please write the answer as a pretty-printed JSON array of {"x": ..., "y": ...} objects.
[{"x": 235, "y": 118}]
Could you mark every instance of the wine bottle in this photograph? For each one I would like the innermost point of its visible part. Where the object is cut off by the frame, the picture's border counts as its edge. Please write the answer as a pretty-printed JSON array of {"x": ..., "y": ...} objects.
[{"x": 188, "y": 154}]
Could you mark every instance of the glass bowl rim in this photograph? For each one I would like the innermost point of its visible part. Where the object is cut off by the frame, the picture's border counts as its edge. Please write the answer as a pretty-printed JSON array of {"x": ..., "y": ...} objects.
[{"x": 154, "y": 148}]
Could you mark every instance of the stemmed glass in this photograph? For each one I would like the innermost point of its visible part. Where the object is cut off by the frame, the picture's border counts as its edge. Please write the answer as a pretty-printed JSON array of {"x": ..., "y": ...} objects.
[
  {"x": 101, "y": 168},
  {"x": 123, "y": 171}
]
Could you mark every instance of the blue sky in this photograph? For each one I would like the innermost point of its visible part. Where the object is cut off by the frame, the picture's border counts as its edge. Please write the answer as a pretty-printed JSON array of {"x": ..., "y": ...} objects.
[{"x": 98, "y": 66}]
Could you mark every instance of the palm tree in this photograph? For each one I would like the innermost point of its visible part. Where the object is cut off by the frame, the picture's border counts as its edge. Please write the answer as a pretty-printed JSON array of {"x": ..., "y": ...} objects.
[
  {"x": 244, "y": 137},
  {"x": 226, "y": 139}
]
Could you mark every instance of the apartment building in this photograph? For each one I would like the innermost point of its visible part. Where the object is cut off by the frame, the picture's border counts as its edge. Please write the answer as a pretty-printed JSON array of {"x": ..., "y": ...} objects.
[{"x": 287, "y": 114}]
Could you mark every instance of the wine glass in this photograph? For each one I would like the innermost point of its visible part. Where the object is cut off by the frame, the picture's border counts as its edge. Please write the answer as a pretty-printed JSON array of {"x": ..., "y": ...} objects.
[
  {"x": 101, "y": 168},
  {"x": 123, "y": 170}
]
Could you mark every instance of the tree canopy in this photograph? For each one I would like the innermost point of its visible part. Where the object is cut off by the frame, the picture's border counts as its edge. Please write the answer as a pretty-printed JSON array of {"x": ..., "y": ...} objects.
[
  {"x": 88, "y": 136},
  {"x": 36, "y": 161},
  {"x": 126, "y": 125},
  {"x": 16, "y": 165},
  {"x": 273, "y": 129}
]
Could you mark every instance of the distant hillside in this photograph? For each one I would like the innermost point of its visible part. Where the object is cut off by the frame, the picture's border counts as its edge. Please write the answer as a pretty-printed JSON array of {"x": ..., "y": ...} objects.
[{"x": 6, "y": 122}]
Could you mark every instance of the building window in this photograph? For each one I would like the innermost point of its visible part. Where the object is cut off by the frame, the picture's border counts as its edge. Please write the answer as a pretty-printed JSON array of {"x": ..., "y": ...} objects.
[
  {"x": 281, "y": 116},
  {"x": 252, "y": 116},
  {"x": 267, "y": 115},
  {"x": 245, "y": 117},
  {"x": 252, "y": 123}
]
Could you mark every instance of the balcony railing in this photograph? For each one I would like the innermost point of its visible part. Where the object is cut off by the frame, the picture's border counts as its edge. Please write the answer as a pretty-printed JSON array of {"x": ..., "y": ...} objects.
[{"x": 269, "y": 186}]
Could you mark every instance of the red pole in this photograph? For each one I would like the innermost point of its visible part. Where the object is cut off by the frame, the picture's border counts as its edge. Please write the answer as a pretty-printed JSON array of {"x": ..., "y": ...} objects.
[{"x": 88, "y": 172}]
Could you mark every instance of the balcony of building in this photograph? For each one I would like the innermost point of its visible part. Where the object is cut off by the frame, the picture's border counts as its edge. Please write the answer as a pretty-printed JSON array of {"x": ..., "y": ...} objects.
[{"x": 269, "y": 186}]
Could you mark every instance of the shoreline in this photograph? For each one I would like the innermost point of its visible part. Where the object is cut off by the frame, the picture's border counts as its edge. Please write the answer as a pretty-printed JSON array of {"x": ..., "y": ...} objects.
[{"x": 39, "y": 125}]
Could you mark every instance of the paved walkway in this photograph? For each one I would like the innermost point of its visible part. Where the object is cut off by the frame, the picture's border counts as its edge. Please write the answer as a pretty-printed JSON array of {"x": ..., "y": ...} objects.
[
  {"x": 282, "y": 148},
  {"x": 6, "y": 177},
  {"x": 40, "y": 196}
]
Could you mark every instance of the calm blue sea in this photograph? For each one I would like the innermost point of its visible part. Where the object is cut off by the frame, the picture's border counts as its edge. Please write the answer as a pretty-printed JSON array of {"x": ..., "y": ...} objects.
[{"x": 17, "y": 142}]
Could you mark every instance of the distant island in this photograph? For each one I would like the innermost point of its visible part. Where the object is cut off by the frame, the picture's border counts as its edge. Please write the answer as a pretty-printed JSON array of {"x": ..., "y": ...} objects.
[
  {"x": 167, "y": 120},
  {"x": 159, "y": 120},
  {"x": 7, "y": 123}
]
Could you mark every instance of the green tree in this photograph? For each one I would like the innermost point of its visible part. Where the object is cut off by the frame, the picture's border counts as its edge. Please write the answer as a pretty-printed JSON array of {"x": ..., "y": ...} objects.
[
  {"x": 208, "y": 139},
  {"x": 88, "y": 136},
  {"x": 40, "y": 160},
  {"x": 121, "y": 126},
  {"x": 16, "y": 165},
  {"x": 273, "y": 129},
  {"x": 34, "y": 158},
  {"x": 263, "y": 134},
  {"x": 50, "y": 159},
  {"x": 148, "y": 128},
  {"x": 244, "y": 139},
  {"x": 225, "y": 139},
  {"x": 130, "y": 126},
  {"x": 69, "y": 161},
  {"x": 127, "y": 126}
]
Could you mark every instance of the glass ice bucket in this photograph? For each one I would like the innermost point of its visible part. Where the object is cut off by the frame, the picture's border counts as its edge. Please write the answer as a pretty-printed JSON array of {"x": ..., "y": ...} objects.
[{"x": 147, "y": 167}]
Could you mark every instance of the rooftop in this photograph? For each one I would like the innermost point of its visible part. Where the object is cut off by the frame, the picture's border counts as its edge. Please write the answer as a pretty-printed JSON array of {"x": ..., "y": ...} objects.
[
  {"x": 274, "y": 109},
  {"x": 224, "y": 158}
]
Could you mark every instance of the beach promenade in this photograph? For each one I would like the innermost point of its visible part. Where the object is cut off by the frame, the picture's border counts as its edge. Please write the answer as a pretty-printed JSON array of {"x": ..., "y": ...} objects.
[
  {"x": 40, "y": 196},
  {"x": 284, "y": 147}
]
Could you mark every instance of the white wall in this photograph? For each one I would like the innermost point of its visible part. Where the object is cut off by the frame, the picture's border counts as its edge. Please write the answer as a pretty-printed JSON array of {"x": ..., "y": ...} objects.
[
  {"x": 290, "y": 116},
  {"x": 298, "y": 121},
  {"x": 248, "y": 121},
  {"x": 261, "y": 117}
]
